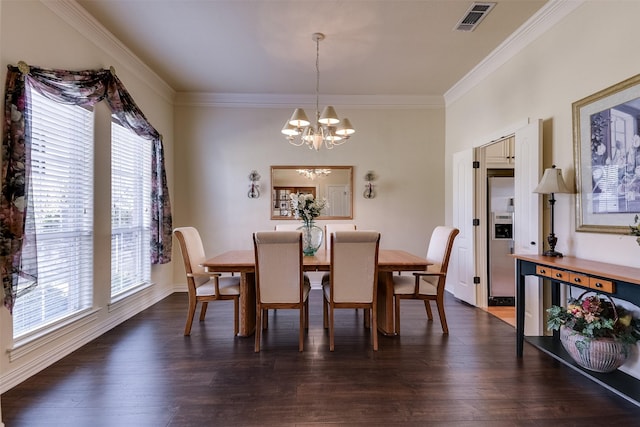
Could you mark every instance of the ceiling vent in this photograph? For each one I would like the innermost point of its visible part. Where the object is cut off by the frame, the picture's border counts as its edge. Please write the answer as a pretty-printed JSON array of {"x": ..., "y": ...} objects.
[{"x": 474, "y": 16}]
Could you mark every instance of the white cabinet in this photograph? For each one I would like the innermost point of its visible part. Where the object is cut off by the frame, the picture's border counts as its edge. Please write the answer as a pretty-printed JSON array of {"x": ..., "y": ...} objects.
[{"x": 501, "y": 154}]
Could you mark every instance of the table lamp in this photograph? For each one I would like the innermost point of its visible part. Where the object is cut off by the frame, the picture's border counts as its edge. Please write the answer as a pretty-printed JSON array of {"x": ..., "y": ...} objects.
[{"x": 552, "y": 183}]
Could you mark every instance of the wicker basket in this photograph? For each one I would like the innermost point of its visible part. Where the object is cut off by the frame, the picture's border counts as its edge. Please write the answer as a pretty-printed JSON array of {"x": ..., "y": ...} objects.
[{"x": 599, "y": 354}]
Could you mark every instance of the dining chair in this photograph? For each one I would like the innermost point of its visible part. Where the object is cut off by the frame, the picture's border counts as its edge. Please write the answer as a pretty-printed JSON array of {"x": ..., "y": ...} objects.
[
  {"x": 280, "y": 281},
  {"x": 428, "y": 285},
  {"x": 332, "y": 228},
  {"x": 353, "y": 278},
  {"x": 287, "y": 227},
  {"x": 201, "y": 285}
]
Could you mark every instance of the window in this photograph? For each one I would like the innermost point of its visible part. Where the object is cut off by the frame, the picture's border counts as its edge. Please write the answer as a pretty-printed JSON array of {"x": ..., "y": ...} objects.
[
  {"x": 130, "y": 210},
  {"x": 62, "y": 179}
]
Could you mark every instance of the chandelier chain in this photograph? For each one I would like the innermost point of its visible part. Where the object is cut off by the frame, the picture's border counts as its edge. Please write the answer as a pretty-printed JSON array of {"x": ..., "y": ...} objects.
[{"x": 317, "y": 79}]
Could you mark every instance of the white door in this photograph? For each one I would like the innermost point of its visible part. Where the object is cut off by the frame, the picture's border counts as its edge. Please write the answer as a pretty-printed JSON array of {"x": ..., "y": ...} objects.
[
  {"x": 527, "y": 216},
  {"x": 338, "y": 198},
  {"x": 462, "y": 263}
]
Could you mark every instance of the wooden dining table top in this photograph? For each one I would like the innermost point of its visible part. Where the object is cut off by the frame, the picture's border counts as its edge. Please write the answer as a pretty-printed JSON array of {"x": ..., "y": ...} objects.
[{"x": 243, "y": 261}]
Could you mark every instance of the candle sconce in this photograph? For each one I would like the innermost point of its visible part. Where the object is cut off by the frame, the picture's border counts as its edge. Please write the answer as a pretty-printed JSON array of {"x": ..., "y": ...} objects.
[
  {"x": 369, "y": 191},
  {"x": 254, "y": 187}
]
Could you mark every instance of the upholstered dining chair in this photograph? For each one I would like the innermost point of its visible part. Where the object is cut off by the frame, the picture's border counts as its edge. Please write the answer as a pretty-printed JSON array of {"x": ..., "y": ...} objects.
[
  {"x": 280, "y": 281},
  {"x": 202, "y": 286},
  {"x": 428, "y": 285},
  {"x": 332, "y": 228},
  {"x": 287, "y": 227},
  {"x": 353, "y": 278}
]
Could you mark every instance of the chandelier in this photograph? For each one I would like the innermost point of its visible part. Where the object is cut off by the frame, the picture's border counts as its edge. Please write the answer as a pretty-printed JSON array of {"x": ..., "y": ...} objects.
[
  {"x": 314, "y": 173},
  {"x": 328, "y": 129}
]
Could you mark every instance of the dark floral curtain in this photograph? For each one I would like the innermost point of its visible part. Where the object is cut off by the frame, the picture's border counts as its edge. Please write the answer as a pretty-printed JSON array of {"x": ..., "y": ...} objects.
[{"x": 18, "y": 261}]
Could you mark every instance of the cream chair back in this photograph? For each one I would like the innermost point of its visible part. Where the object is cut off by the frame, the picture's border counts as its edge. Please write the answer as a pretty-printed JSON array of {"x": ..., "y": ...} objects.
[
  {"x": 279, "y": 275},
  {"x": 354, "y": 265},
  {"x": 193, "y": 254},
  {"x": 329, "y": 229},
  {"x": 287, "y": 227},
  {"x": 439, "y": 250}
]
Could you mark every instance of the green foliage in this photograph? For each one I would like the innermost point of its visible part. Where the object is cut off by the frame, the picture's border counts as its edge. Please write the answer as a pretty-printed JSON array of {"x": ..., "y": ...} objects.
[{"x": 595, "y": 317}]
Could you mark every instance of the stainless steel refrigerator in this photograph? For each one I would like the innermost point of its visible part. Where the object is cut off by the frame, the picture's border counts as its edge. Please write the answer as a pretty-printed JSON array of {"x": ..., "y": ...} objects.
[{"x": 501, "y": 266}]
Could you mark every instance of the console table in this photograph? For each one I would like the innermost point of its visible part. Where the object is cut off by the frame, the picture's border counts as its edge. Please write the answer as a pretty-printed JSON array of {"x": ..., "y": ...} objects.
[{"x": 614, "y": 280}]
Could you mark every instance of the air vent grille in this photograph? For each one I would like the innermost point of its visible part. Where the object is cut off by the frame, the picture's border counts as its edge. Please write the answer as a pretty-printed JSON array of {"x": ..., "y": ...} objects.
[{"x": 474, "y": 16}]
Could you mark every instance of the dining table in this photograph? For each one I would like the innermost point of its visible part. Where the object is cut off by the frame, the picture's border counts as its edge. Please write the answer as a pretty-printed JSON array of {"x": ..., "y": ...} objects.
[{"x": 242, "y": 262}]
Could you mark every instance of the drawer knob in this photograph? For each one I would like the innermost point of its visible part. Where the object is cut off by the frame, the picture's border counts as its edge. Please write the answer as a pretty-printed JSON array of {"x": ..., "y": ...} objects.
[
  {"x": 598, "y": 285},
  {"x": 543, "y": 271},
  {"x": 558, "y": 274},
  {"x": 577, "y": 280}
]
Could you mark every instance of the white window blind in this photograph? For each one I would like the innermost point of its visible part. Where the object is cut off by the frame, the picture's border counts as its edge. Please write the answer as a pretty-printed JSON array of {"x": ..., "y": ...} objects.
[
  {"x": 62, "y": 177},
  {"x": 130, "y": 210}
]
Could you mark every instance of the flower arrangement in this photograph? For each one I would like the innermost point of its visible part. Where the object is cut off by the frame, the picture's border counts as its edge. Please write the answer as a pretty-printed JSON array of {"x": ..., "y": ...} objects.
[
  {"x": 635, "y": 228},
  {"x": 594, "y": 317},
  {"x": 306, "y": 207}
]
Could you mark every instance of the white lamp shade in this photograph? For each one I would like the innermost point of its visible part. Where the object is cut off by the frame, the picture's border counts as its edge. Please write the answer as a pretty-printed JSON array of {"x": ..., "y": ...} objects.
[
  {"x": 329, "y": 116},
  {"x": 290, "y": 130},
  {"x": 299, "y": 118},
  {"x": 552, "y": 182},
  {"x": 345, "y": 128}
]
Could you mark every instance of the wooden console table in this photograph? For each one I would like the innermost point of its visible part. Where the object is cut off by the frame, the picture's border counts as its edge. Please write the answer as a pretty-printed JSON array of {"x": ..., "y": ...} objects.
[{"x": 614, "y": 280}]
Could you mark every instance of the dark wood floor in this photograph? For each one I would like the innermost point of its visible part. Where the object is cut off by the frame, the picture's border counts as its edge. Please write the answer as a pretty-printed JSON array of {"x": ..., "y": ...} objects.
[{"x": 146, "y": 373}]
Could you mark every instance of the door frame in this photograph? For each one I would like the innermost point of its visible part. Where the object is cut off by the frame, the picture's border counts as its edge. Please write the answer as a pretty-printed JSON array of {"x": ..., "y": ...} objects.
[{"x": 482, "y": 292}]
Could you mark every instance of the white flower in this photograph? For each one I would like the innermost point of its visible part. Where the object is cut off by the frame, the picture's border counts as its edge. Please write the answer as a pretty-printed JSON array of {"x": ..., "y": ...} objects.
[{"x": 306, "y": 207}]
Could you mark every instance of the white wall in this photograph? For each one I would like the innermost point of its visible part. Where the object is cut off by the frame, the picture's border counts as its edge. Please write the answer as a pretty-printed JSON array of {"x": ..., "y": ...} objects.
[
  {"x": 591, "y": 49},
  {"x": 216, "y": 149},
  {"x": 63, "y": 46}
]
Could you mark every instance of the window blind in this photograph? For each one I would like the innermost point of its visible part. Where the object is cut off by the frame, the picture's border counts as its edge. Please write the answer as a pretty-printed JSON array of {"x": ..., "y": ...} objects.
[
  {"x": 62, "y": 179},
  {"x": 130, "y": 210}
]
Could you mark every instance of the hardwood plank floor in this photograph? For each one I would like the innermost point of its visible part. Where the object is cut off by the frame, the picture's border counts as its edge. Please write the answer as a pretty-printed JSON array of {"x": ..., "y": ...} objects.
[{"x": 146, "y": 373}]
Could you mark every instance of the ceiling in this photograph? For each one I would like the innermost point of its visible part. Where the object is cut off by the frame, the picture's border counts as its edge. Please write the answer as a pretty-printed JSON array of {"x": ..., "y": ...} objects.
[{"x": 372, "y": 47}]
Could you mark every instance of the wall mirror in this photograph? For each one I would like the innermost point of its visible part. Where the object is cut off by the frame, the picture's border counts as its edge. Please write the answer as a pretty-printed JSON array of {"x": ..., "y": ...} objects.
[{"x": 335, "y": 183}]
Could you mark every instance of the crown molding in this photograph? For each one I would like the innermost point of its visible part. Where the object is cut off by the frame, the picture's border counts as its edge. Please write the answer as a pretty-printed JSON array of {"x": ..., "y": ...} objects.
[
  {"x": 76, "y": 16},
  {"x": 256, "y": 100},
  {"x": 549, "y": 15}
]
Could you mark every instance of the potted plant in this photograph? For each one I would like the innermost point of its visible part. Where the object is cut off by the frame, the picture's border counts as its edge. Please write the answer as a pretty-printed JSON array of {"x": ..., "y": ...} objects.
[
  {"x": 597, "y": 334},
  {"x": 308, "y": 208}
]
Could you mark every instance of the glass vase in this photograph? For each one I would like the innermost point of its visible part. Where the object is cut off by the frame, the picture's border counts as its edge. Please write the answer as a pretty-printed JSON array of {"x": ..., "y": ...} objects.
[{"x": 311, "y": 238}]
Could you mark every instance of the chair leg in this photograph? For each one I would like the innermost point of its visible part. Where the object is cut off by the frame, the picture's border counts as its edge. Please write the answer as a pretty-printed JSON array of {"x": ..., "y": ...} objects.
[
  {"x": 265, "y": 319},
  {"x": 301, "y": 329},
  {"x": 203, "y": 310},
  {"x": 190, "y": 314},
  {"x": 236, "y": 316},
  {"x": 367, "y": 319},
  {"x": 427, "y": 306},
  {"x": 325, "y": 309},
  {"x": 397, "y": 314},
  {"x": 306, "y": 314},
  {"x": 256, "y": 347},
  {"x": 331, "y": 338},
  {"x": 443, "y": 317},
  {"x": 374, "y": 327}
]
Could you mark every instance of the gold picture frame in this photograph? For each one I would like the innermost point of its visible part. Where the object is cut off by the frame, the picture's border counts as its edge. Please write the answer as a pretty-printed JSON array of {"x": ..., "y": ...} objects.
[{"x": 606, "y": 133}]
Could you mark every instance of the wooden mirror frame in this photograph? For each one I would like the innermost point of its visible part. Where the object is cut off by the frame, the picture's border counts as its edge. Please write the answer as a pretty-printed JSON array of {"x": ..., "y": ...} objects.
[{"x": 286, "y": 179}]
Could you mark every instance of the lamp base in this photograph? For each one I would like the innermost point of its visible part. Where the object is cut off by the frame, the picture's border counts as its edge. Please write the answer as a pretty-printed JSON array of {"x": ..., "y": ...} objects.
[{"x": 553, "y": 253}]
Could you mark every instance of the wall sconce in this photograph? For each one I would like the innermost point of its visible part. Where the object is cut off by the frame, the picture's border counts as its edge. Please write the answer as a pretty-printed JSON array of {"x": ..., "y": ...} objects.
[
  {"x": 254, "y": 187},
  {"x": 369, "y": 192}
]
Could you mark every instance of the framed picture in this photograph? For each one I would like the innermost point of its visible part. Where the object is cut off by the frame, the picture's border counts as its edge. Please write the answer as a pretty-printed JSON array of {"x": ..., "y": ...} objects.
[{"x": 606, "y": 129}]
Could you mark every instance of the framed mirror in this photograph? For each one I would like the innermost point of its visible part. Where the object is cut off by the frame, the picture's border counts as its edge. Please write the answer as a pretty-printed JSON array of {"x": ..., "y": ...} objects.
[{"x": 334, "y": 183}]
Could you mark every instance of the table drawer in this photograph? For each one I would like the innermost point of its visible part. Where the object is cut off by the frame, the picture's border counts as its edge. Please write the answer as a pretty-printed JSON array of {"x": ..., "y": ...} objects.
[
  {"x": 560, "y": 275},
  {"x": 579, "y": 279},
  {"x": 541, "y": 270},
  {"x": 602, "y": 285}
]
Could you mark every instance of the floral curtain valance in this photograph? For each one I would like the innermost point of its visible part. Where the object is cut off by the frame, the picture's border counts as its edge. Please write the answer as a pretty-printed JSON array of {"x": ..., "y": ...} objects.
[{"x": 18, "y": 262}]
